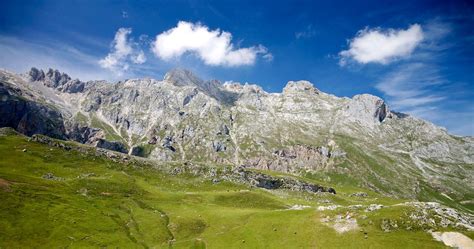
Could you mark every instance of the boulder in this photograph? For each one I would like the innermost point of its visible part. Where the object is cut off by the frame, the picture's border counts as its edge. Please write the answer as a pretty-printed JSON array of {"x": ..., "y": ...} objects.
[{"x": 218, "y": 146}]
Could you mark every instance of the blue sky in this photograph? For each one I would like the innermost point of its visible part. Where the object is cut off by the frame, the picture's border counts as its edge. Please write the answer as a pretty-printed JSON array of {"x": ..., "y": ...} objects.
[{"x": 417, "y": 55}]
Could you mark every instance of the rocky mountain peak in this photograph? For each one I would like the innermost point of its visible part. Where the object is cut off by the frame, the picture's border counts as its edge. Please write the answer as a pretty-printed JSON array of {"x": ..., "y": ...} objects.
[
  {"x": 299, "y": 87},
  {"x": 368, "y": 108},
  {"x": 212, "y": 88},
  {"x": 55, "y": 79},
  {"x": 182, "y": 77},
  {"x": 52, "y": 78},
  {"x": 36, "y": 74}
]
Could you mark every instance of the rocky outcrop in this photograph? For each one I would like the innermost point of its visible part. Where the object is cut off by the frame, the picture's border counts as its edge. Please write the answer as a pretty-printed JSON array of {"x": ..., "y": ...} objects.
[
  {"x": 31, "y": 117},
  {"x": 111, "y": 145},
  {"x": 367, "y": 110},
  {"x": 83, "y": 134},
  {"x": 218, "y": 146},
  {"x": 299, "y": 87},
  {"x": 212, "y": 88},
  {"x": 72, "y": 86},
  {"x": 269, "y": 182},
  {"x": 36, "y": 75},
  {"x": 55, "y": 79},
  {"x": 301, "y": 157},
  {"x": 28, "y": 117}
]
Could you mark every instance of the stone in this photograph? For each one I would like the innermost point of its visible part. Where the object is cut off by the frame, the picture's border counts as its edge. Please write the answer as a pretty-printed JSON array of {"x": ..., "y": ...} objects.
[
  {"x": 51, "y": 176},
  {"x": 168, "y": 141},
  {"x": 373, "y": 207},
  {"x": 324, "y": 151},
  {"x": 359, "y": 194},
  {"x": 218, "y": 146},
  {"x": 223, "y": 130}
]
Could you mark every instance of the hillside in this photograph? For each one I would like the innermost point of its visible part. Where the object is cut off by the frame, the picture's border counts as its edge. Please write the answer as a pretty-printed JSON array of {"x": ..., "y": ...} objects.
[{"x": 63, "y": 194}]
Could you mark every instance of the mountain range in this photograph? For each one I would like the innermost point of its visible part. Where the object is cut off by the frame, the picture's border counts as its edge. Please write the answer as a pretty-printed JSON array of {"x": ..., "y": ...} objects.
[{"x": 300, "y": 131}]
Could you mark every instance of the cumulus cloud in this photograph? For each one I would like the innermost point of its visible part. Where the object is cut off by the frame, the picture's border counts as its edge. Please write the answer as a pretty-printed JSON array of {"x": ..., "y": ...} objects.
[
  {"x": 213, "y": 47},
  {"x": 382, "y": 46},
  {"x": 124, "y": 51}
]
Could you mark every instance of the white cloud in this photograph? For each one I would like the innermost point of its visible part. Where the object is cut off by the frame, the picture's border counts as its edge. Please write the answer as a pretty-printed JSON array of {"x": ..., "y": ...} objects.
[
  {"x": 214, "y": 47},
  {"x": 382, "y": 46},
  {"x": 139, "y": 58},
  {"x": 124, "y": 50}
]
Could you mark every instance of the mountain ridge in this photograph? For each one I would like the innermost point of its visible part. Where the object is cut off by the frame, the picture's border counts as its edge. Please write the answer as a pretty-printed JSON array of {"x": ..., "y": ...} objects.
[{"x": 301, "y": 130}]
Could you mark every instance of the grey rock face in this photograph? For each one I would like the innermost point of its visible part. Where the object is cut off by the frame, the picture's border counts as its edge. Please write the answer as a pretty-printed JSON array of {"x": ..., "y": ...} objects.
[
  {"x": 212, "y": 88},
  {"x": 293, "y": 157},
  {"x": 72, "y": 86},
  {"x": 54, "y": 78},
  {"x": 269, "y": 182},
  {"x": 223, "y": 130},
  {"x": 218, "y": 146},
  {"x": 182, "y": 77},
  {"x": 298, "y": 87},
  {"x": 36, "y": 74},
  {"x": 138, "y": 151},
  {"x": 366, "y": 110},
  {"x": 83, "y": 134},
  {"x": 28, "y": 117},
  {"x": 111, "y": 145},
  {"x": 189, "y": 97},
  {"x": 168, "y": 143}
]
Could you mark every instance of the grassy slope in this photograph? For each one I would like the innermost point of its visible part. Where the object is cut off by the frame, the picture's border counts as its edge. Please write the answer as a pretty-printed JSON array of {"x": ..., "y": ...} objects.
[{"x": 137, "y": 207}]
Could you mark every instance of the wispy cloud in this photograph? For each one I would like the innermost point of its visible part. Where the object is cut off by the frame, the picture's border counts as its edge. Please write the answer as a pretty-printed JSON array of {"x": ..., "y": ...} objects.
[
  {"x": 213, "y": 47},
  {"x": 20, "y": 55},
  {"x": 411, "y": 85},
  {"x": 308, "y": 32},
  {"x": 412, "y": 88}
]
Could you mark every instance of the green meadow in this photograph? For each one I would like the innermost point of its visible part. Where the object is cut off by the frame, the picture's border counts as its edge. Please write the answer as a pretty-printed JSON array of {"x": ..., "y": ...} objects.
[{"x": 93, "y": 202}]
